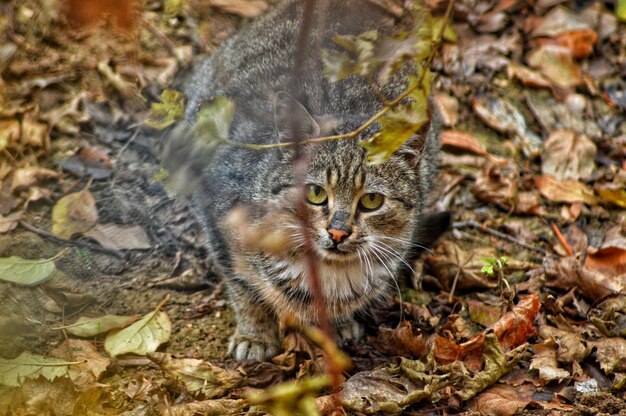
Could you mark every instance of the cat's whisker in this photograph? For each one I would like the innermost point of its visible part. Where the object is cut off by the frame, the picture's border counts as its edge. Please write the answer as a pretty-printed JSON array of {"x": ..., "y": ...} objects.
[
  {"x": 408, "y": 242},
  {"x": 391, "y": 251},
  {"x": 373, "y": 249}
]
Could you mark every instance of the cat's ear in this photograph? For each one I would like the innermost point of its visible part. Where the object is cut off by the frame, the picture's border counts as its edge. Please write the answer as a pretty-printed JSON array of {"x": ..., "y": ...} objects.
[{"x": 292, "y": 120}]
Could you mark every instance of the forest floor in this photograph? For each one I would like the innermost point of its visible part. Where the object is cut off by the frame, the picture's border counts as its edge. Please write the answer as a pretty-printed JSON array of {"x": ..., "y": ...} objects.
[{"x": 519, "y": 309}]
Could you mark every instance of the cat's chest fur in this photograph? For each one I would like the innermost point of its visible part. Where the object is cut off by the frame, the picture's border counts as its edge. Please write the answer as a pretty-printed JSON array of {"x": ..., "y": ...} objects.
[{"x": 346, "y": 286}]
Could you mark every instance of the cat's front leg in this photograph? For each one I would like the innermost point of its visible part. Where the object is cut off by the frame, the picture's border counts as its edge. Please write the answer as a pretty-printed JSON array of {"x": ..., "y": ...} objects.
[{"x": 256, "y": 336}]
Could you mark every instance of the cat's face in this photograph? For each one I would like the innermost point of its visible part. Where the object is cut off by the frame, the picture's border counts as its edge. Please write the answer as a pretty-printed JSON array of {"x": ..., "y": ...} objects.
[{"x": 358, "y": 211}]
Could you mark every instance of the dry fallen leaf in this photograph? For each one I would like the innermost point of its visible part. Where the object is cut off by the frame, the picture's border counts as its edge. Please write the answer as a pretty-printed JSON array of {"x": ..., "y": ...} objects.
[
  {"x": 467, "y": 142},
  {"x": 91, "y": 364},
  {"x": 611, "y": 354},
  {"x": 556, "y": 63},
  {"x": 568, "y": 155},
  {"x": 528, "y": 76},
  {"x": 201, "y": 378},
  {"x": 118, "y": 237},
  {"x": 546, "y": 364},
  {"x": 502, "y": 400},
  {"x": 74, "y": 214},
  {"x": 245, "y": 8},
  {"x": 570, "y": 191}
]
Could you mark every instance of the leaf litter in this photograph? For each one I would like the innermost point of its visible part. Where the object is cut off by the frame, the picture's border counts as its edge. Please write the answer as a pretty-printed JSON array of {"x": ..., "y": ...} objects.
[{"x": 529, "y": 90}]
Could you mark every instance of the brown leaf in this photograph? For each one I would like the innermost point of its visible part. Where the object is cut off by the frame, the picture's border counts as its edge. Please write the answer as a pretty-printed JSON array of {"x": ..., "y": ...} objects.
[
  {"x": 35, "y": 133},
  {"x": 245, "y": 8},
  {"x": 28, "y": 176},
  {"x": 580, "y": 43},
  {"x": 467, "y": 142},
  {"x": 527, "y": 76},
  {"x": 93, "y": 364},
  {"x": 498, "y": 184},
  {"x": 74, "y": 213},
  {"x": 482, "y": 313},
  {"x": 558, "y": 21},
  {"x": 502, "y": 400},
  {"x": 567, "y": 272},
  {"x": 200, "y": 377},
  {"x": 611, "y": 354},
  {"x": 614, "y": 191},
  {"x": 512, "y": 330},
  {"x": 568, "y": 155},
  {"x": 503, "y": 116},
  {"x": 220, "y": 407},
  {"x": 9, "y": 223},
  {"x": 402, "y": 341},
  {"x": 569, "y": 190},
  {"x": 571, "y": 344},
  {"x": 546, "y": 364},
  {"x": 118, "y": 237},
  {"x": 556, "y": 62}
]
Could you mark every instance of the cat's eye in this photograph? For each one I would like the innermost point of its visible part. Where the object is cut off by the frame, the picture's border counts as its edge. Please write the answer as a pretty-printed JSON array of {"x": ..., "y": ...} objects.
[
  {"x": 316, "y": 195},
  {"x": 370, "y": 202}
]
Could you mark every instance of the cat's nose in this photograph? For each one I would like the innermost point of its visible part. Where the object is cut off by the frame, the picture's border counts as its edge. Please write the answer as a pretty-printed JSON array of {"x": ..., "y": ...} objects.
[{"x": 338, "y": 235}]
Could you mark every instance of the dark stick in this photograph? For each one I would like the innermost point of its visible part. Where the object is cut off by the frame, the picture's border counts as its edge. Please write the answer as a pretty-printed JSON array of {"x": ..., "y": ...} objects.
[
  {"x": 478, "y": 226},
  {"x": 82, "y": 244}
]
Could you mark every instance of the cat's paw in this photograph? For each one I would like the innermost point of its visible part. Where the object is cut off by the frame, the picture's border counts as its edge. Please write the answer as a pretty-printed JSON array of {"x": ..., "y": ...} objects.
[
  {"x": 349, "y": 331},
  {"x": 253, "y": 347}
]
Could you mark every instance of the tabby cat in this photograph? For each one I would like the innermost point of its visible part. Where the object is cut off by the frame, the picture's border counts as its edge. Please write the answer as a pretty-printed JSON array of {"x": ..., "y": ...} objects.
[{"x": 365, "y": 221}]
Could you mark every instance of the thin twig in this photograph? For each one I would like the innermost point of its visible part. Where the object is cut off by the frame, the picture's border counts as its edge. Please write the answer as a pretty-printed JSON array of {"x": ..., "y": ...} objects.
[
  {"x": 77, "y": 243},
  {"x": 561, "y": 239},
  {"x": 498, "y": 234}
]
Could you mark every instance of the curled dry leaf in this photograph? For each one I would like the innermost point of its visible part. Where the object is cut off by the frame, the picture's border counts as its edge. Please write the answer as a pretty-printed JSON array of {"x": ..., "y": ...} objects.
[
  {"x": 498, "y": 184},
  {"x": 570, "y": 191},
  {"x": 614, "y": 191},
  {"x": 570, "y": 342},
  {"x": 496, "y": 365},
  {"x": 24, "y": 178},
  {"x": 568, "y": 155},
  {"x": 546, "y": 364},
  {"x": 200, "y": 377},
  {"x": 390, "y": 390},
  {"x": 403, "y": 341},
  {"x": 511, "y": 331},
  {"x": 74, "y": 214}
]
